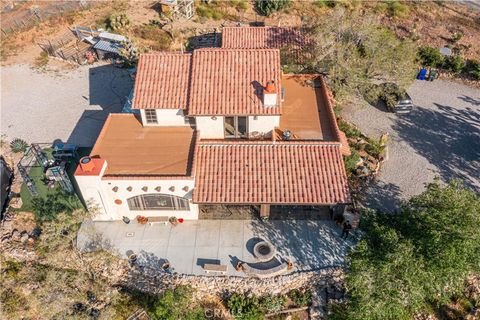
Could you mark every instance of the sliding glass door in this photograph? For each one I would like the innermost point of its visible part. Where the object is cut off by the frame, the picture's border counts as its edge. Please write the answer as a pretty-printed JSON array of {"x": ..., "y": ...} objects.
[{"x": 236, "y": 127}]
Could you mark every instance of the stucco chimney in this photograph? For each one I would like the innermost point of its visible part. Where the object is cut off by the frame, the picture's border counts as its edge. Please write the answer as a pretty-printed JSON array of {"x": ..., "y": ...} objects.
[{"x": 270, "y": 94}]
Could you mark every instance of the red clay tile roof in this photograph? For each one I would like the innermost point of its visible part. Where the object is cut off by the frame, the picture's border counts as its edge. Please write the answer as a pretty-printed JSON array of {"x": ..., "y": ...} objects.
[
  {"x": 261, "y": 37},
  {"x": 292, "y": 39},
  {"x": 230, "y": 81},
  {"x": 162, "y": 81},
  {"x": 265, "y": 172}
]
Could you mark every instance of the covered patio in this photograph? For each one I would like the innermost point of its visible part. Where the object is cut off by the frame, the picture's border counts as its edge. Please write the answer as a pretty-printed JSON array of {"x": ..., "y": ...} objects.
[{"x": 309, "y": 244}]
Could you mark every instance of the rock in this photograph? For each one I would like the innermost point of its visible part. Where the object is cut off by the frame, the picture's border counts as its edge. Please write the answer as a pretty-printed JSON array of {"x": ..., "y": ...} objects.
[
  {"x": 16, "y": 203},
  {"x": 15, "y": 235},
  {"x": 24, "y": 237}
]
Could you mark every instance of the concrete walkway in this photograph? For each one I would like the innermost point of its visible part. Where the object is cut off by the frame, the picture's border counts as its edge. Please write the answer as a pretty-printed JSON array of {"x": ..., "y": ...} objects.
[{"x": 310, "y": 244}]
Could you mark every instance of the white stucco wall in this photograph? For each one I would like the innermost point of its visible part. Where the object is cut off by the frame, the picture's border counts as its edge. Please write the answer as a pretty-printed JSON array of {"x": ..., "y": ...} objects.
[
  {"x": 209, "y": 128},
  {"x": 167, "y": 117},
  {"x": 117, "y": 211},
  {"x": 214, "y": 129},
  {"x": 263, "y": 124}
]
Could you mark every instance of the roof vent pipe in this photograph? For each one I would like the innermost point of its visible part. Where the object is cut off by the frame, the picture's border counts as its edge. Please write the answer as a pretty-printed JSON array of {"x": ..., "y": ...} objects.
[{"x": 270, "y": 94}]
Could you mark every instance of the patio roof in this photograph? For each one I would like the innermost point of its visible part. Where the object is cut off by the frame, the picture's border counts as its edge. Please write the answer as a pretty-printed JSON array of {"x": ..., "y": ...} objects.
[
  {"x": 263, "y": 172},
  {"x": 133, "y": 150}
]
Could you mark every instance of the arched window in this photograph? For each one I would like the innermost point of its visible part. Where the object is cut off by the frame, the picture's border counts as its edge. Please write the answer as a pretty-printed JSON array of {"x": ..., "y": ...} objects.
[{"x": 155, "y": 201}]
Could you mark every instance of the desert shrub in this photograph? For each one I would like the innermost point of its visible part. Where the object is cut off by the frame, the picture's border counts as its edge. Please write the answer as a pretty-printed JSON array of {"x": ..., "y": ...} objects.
[
  {"x": 273, "y": 303},
  {"x": 42, "y": 59},
  {"x": 12, "y": 301},
  {"x": 397, "y": 9},
  {"x": 18, "y": 145},
  {"x": 156, "y": 38},
  {"x": 267, "y": 7},
  {"x": 325, "y": 3},
  {"x": 430, "y": 57},
  {"x": 10, "y": 268},
  {"x": 210, "y": 11},
  {"x": 371, "y": 92},
  {"x": 454, "y": 64},
  {"x": 240, "y": 5},
  {"x": 301, "y": 298},
  {"x": 457, "y": 36},
  {"x": 245, "y": 308},
  {"x": 472, "y": 68}
]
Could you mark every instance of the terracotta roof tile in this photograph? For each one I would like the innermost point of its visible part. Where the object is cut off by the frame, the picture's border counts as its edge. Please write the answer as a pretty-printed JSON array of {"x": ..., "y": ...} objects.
[
  {"x": 291, "y": 39},
  {"x": 162, "y": 81},
  {"x": 276, "y": 173},
  {"x": 230, "y": 81}
]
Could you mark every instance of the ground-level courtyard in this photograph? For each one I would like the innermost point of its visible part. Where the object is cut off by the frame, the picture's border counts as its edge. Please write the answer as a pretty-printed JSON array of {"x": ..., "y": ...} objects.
[{"x": 309, "y": 244}]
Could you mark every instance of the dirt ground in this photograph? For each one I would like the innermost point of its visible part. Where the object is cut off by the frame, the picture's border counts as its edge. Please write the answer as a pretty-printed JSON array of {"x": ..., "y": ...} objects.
[{"x": 428, "y": 22}]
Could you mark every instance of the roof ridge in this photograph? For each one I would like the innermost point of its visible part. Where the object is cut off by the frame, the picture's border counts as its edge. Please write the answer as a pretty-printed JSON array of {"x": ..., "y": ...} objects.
[{"x": 321, "y": 143}]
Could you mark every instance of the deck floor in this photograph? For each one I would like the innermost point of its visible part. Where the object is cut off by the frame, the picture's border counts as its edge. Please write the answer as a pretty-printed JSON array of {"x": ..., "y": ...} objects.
[{"x": 304, "y": 110}]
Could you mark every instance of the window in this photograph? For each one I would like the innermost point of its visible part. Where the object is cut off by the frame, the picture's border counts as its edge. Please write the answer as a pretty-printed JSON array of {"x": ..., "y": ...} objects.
[
  {"x": 151, "y": 116},
  {"x": 236, "y": 127},
  {"x": 157, "y": 202}
]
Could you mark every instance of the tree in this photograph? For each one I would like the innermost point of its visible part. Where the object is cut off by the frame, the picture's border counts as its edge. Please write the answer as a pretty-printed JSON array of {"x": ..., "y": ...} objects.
[
  {"x": 417, "y": 257},
  {"x": 355, "y": 51},
  {"x": 430, "y": 57}
]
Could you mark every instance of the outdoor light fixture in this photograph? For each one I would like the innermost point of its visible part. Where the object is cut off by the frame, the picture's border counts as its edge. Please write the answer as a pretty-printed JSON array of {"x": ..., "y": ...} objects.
[
  {"x": 158, "y": 189},
  {"x": 145, "y": 189},
  {"x": 172, "y": 188},
  {"x": 185, "y": 188},
  {"x": 214, "y": 118},
  {"x": 115, "y": 189},
  {"x": 255, "y": 117},
  {"x": 129, "y": 189}
]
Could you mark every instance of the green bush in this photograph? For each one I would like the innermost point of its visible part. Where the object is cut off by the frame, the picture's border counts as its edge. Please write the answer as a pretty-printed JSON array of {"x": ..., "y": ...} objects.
[
  {"x": 273, "y": 303},
  {"x": 12, "y": 301},
  {"x": 210, "y": 11},
  {"x": 430, "y": 57},
  {"x": 472, "y": 68},
  {"x": 47, "y": 209},
  {"x": 325, "y": 3},
  {"x": 175, "y": 304},
  {"x": 349, "y": 130},
  {"x": 454, "y": 64},
  {"x": 245, "y": 308},
  {"x": 351, "y": 161},
  {"x": 267, "y": 7},
  {"x": 301, "y": 298}
]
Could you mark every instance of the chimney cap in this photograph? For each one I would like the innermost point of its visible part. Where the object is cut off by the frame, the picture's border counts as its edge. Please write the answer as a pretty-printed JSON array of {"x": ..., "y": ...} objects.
[{"x": 270, "y": 87}]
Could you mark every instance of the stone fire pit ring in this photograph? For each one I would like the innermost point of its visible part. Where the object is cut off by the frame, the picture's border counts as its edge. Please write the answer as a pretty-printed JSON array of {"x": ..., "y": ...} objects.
[{"x": 264, "y": 251}]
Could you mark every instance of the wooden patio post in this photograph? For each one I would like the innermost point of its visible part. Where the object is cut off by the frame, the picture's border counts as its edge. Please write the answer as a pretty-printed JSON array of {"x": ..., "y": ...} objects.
[{"x": 264, "y": 210}]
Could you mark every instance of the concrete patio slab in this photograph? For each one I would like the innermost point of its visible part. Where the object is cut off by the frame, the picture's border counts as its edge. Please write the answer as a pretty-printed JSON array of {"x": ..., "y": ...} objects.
[{"x": 310, "y": 244}]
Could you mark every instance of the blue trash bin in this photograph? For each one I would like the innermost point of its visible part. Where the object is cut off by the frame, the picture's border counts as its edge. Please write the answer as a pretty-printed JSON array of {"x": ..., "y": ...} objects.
[{"x": 422, "y": 74}]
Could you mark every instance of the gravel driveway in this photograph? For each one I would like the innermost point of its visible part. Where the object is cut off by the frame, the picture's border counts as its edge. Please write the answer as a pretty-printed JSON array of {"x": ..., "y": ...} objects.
[
  {"x": 440, "y": 137},
  {"x": 69, "y": 105}
]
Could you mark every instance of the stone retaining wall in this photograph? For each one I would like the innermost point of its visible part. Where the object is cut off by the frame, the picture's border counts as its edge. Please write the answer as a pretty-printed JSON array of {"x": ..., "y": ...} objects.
[{"x": 155, "y": 281}]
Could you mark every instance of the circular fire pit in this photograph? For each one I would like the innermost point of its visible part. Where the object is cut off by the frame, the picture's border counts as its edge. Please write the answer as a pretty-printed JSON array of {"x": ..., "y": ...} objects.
[{"x": 264, "y": 251}]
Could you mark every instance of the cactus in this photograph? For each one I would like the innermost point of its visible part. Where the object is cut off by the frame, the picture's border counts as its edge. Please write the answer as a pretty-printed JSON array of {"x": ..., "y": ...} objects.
[
  {"x": 118, "y": 22},
  {"x": 18, "y": 145}
]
